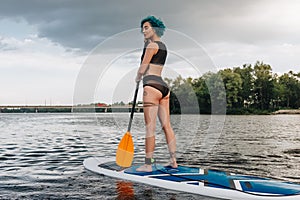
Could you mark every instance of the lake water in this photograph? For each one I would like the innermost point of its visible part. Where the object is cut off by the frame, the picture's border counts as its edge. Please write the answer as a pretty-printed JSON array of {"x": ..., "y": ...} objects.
[{"x": 41, "y": 154}]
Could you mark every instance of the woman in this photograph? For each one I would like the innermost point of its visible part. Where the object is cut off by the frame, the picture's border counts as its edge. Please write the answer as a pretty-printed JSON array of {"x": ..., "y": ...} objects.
[{"x": 156, "y": 92}]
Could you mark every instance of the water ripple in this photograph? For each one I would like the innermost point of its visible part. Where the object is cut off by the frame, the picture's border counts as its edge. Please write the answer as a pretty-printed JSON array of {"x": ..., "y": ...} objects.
[{"x": 41, "y": 155}]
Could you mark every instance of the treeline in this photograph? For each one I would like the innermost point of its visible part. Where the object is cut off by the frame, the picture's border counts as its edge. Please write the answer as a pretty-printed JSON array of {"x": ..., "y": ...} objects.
[{"x": 247, "y": 90}]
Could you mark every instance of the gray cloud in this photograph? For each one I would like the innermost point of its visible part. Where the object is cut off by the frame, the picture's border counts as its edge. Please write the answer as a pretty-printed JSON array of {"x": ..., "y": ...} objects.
[
  {"x": 84, "y": 24},
  {"x": 75, "y": 24}
]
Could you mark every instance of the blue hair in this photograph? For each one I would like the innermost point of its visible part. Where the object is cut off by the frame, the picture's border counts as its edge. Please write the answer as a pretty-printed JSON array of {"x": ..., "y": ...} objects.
[{"x": 156, "y": 23}]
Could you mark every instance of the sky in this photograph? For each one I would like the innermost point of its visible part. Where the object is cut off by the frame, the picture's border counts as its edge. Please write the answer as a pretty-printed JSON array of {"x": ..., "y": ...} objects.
[{"x": 64, "y": 52}]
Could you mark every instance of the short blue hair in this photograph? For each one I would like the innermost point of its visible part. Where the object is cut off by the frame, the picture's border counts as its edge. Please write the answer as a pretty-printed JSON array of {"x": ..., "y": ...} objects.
[{"x": 156, "y": 23}]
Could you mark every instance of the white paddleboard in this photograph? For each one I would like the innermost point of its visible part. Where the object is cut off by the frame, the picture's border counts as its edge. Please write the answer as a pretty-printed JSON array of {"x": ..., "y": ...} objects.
[{"x": 204, "y": 182}]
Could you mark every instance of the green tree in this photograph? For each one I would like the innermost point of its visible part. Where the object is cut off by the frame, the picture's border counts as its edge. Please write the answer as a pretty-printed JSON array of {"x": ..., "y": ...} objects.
[
  {"x": 183, "y": 95},
  {"x": 243, "y": 89},
  {"x": 290, "y": 92},
  {"x": 278, "y": 91},
  {"x": 263, "y": 85},
  {"x": 246, "y": 92},
  {"x": 233, "y": 86},
  {"x": 215, "y": 93},
  {"x": 202, "y": 94}
]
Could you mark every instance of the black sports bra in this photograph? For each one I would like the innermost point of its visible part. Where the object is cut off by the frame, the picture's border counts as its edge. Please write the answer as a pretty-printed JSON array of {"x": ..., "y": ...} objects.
[{"x": 160, "y": 57}]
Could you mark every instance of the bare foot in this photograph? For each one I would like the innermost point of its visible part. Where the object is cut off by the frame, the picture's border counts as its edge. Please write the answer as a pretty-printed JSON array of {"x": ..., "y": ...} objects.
[
  {"x": 172, "y": 163},
  {"x": 144, "y": 168}
]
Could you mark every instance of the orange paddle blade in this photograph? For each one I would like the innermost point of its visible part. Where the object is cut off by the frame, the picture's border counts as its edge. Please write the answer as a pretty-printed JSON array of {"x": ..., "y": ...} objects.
[{"x": 125, "y": 151}]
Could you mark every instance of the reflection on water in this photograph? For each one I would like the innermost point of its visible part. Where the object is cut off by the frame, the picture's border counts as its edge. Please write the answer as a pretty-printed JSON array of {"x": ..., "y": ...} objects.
[
  {"x": 41, "y": 154},
  {"x": 125, "y": 190}
]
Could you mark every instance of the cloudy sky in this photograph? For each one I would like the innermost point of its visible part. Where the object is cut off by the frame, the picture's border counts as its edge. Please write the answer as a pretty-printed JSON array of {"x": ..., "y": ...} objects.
[{"x": 45, "y": 45}]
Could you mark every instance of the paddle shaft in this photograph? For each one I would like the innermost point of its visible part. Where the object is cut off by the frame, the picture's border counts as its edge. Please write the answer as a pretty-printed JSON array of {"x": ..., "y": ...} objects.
[{"x": 133, "y": 106}]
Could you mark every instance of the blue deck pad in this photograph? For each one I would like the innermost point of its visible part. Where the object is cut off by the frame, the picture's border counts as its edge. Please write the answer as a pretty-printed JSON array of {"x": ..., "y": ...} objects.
[
  {"x": 272, "y": 187},
  {"x": 161, "y": 170},
  {"x": 211, "y": 178},
  {"x": 218, "y": 179}
]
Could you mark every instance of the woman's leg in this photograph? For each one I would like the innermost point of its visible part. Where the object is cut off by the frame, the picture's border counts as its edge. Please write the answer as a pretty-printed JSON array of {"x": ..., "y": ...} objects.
[
  {"x": 151, "y": 99},
  {"x": 164, "y": 117}
]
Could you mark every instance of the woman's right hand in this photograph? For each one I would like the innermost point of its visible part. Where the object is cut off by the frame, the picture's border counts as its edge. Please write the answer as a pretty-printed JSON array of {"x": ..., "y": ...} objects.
[{"x": 138, "y": 78}]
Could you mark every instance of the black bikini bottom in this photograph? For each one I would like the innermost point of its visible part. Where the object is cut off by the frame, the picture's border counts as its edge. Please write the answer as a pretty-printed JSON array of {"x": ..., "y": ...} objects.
[{"x": 157, "y": 83}]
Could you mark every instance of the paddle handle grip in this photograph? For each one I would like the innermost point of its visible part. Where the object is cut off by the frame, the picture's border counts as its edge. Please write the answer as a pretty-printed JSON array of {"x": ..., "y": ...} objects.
[{"x": 133, "y": 105}]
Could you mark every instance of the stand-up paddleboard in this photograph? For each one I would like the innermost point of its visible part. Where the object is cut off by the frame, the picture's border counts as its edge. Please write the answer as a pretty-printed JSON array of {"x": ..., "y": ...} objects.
[{"x": 199, "y": 181}]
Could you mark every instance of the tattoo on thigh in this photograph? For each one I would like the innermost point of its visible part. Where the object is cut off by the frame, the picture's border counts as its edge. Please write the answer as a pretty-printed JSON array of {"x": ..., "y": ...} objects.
[{"x": 149, "y": 104}]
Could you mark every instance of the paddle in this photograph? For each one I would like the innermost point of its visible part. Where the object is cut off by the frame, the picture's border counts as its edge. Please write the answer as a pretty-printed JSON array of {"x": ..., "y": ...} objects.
[{"x": 125, "y": 151}]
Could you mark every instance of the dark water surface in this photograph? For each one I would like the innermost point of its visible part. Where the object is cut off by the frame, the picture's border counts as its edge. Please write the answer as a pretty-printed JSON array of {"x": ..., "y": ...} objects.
[{"x": 41, "y": 154}]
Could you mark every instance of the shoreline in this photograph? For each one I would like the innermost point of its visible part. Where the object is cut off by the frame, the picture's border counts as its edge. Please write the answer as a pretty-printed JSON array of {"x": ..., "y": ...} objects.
[
  {"x": 287, "y": 112},
  {"x": 127, "y": 108}
]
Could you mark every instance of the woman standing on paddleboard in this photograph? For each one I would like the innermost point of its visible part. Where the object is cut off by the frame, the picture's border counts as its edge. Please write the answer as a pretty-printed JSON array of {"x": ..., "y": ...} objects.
[{"x": 156, "y": 92}]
